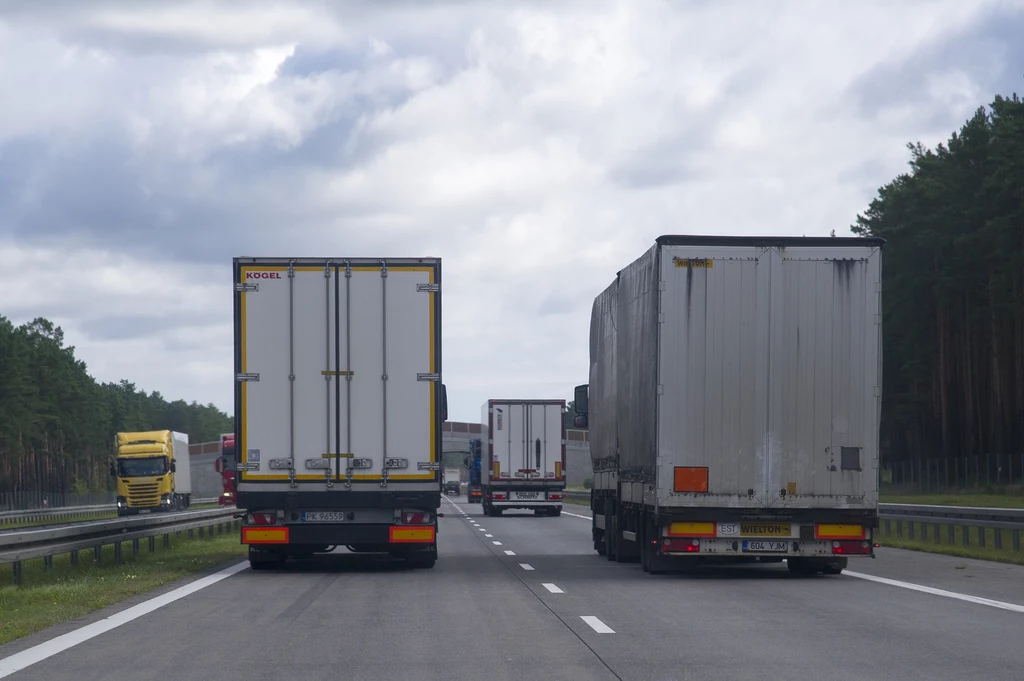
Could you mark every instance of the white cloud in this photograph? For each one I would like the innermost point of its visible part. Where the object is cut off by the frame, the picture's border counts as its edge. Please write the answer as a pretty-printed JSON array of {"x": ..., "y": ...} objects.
[{"x": 536, "y": 149}]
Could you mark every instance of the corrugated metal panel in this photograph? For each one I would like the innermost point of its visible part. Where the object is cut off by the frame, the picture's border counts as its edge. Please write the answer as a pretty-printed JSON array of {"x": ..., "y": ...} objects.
[
  {"x": 770, "y": 366},
  {"x": 825, "y": 370},
  {"x": 603, "y": 396},
  {"x": 714, "y": 371}
]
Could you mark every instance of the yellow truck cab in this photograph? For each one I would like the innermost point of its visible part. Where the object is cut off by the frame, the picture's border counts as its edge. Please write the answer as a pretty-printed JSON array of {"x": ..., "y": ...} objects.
[{"x": 152, "y": 472}]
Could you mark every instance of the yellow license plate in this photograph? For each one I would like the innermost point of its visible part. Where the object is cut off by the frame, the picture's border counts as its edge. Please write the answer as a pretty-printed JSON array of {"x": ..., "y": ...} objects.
[{"x": 766, "y": 529}]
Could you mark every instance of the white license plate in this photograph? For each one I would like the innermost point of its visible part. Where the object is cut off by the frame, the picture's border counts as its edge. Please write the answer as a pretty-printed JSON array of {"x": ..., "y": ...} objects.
[
  {"x": 750, "y": 546},
  {"x": 523, "y": 496},
  {"x": 323, "y": 516}
]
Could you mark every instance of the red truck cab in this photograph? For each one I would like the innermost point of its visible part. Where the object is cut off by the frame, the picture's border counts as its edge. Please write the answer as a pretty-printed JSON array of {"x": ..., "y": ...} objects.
[{"x": 226, "y": 463}]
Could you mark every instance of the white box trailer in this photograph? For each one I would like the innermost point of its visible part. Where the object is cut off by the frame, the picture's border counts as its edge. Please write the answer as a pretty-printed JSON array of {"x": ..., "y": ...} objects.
[
  {"x": 734, "y": 402},
  {"x": 523, "y": 464},
  {"x": 182, "y": 467},
  {"x": 338, "y": 405}
]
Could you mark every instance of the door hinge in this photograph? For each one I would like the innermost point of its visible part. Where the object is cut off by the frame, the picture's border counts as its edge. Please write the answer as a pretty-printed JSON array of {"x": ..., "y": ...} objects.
[
  {"x": 247, "y": 378},
  {"x": 246, "y": 288},
  {"x": 243, "y": 466},
  {"x": 428, "y": 288},
  {"x": 428, "y": 377},
  {"x": 428, "y": 466}
]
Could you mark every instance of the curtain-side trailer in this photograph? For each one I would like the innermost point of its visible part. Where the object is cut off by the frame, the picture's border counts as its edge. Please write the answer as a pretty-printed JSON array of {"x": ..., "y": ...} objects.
[{"x": 734, "y": 403}]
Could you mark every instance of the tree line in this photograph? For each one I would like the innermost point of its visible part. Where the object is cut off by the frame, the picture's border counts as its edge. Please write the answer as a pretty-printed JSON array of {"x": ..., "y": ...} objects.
[
  {"x": 57, "y": 424},
  {"x": 953, "y": 292}
]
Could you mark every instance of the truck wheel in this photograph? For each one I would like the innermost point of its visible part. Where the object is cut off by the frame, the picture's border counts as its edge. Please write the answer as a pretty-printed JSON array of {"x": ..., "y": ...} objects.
[
  {"x": 834, "y": 567},
  {"x": 422, "y": 559},
  {"x": 801, "y": 566},
  {"x": 263, "y": 560},
  {"x": 555, "y": 512},
  {"x": 611, "y": 527}
]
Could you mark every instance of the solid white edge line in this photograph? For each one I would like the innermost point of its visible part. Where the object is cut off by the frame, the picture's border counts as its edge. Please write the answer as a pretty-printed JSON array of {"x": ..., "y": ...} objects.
[
  {"x": 552, "y": 588},
  {"x": 1013, "y": 607},
  {"x": 38, "y": 653},
  {"x": 526, "y": 566},
  {"x": 510, "y": 553},
  {"x": 597, "y": 625},
  {"x": 577, "y": 515}
]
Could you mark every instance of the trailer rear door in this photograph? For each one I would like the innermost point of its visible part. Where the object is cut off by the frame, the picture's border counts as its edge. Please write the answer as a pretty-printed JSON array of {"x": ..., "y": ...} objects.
[{"x": 338, "y": 369}]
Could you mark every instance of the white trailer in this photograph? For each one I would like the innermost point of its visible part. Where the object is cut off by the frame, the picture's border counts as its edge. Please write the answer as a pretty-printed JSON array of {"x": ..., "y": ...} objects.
[
  {"x": 523, "y": 462},
  {"x": 339, "y": 405},
  {"x": 182, "y": 469},
  {"x": 734, "y": 402}
]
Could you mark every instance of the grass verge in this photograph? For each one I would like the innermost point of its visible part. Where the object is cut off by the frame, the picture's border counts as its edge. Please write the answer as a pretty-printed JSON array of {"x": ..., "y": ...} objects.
[
  {"x": 982, "y": 500},
  {"x": 935, "y": 539},
  {"x": 46, "y": 598}
]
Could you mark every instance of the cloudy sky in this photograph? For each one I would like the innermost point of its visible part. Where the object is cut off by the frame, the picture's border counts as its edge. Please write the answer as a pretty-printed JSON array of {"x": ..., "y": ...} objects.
[{"x": 537, "y": 147}]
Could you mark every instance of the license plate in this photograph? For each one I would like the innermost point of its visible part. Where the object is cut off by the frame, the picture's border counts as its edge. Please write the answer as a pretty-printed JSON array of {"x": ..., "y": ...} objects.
[
  {"x": 526, "y": 495},
  {"x": 323, "y": 516},
  {"x": 765, "y": 546}
]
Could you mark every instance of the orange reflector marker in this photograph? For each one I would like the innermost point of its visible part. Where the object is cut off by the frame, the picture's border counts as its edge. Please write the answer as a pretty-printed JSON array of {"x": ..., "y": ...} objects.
[
  {"x": 839, "y": 532},
  {"x": 691, "y": 479},
  {"x": 558, "y": 470},
  {"x": 264, "y": 535},
  {"x": 691, "y": 530},
  {"x": 401, "y": 535}
]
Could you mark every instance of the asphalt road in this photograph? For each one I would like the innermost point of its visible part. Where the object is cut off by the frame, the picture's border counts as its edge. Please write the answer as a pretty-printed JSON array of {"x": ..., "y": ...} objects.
[{"x": 555, "y": 610}]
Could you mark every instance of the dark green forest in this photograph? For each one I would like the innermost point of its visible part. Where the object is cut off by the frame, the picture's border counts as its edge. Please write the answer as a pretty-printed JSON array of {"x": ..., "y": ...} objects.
[
  {"x": 57, "y": 424},
  {"x": 953, "y": 295}
]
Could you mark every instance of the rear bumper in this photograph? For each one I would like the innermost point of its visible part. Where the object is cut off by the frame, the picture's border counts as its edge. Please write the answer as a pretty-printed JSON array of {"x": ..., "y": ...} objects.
[
  {"x": 525, "y": 504},
  {"x": 340, "y": 534}
]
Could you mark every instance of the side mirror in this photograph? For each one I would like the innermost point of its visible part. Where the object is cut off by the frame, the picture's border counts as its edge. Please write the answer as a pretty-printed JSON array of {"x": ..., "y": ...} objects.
[
  {"x": 465, "y": 461},
  {"x": 444, "y": 402},
  {"x": 218, "y": 465},
  {"x": 113, "y": 470},
  {"x": 174, "y": 466},
  {"x": 581, "y": 400},
  {"x": 581, "y": 422}
]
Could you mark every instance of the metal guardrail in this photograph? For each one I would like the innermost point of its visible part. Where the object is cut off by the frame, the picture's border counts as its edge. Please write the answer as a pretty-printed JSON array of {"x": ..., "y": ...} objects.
[
  {"x": 914, "y": 516},
  {"x": 47, "y": 542},
  {"x": 13, "y": 518}
]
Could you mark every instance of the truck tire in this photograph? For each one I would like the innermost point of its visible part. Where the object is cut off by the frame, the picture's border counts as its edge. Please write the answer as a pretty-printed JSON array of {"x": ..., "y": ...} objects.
[
  {"x": 834, "y": 567},
  {"x": 264, "y": 560},
  {"x": 422, "y": 559},
  {"x": 611, "y": 544},
  {"x": 801, "y": 566},
  {"x": 555, "y": 512}
]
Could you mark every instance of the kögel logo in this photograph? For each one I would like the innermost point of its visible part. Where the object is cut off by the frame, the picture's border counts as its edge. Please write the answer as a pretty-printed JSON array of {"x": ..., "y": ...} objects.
[{"x": 262, "y": 275}]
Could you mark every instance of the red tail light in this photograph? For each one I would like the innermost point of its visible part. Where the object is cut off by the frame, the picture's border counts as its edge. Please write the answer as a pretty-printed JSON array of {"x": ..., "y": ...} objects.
[
  {"x": 554, "y": 496},
  {"x": 851, "y": 547},
  {"x": 681, "y": 545},
  {"x": 262, "y": 519},
  {"x": 499, "y": 496},
  {"x": 416, "y": 518}
]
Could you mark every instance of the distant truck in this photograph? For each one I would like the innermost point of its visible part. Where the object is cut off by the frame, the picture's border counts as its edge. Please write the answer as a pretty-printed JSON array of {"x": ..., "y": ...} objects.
[
  {"x": 474, "y": 490},
  {"x": 152, "y": 472},
  {"x": 226, "y": 463},
  {"x": 339, "y": 406},
  {"x": 734, "y": 403},
  {"x": 523, "y": 466},
  {"x": 452, "y": 483}
]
